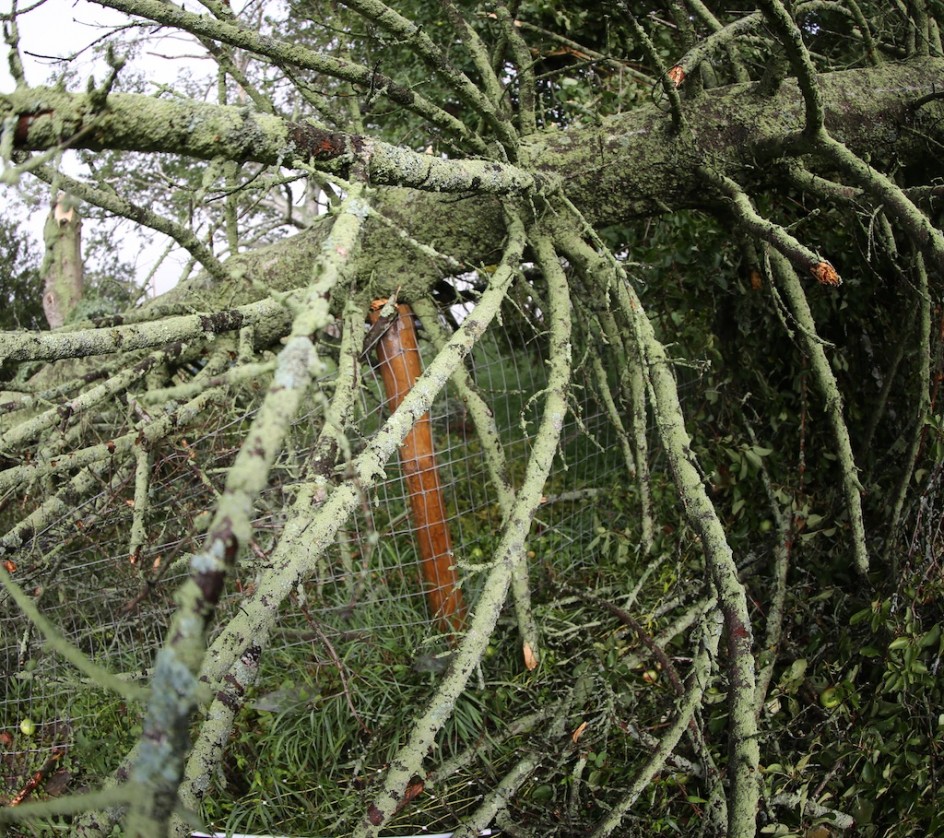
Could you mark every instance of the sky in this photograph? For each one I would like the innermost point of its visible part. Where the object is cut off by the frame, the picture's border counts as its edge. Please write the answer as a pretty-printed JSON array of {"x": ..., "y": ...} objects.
[{"x": 60, "y": 29}]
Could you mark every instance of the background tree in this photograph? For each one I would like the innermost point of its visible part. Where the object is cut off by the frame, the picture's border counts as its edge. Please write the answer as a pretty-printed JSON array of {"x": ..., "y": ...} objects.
[
  {"x": 737, "y": 202},
  {"x": 20, "y": 279}
]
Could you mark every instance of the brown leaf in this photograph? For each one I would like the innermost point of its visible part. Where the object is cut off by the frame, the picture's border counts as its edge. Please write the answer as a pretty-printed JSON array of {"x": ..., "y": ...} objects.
[
  {"x": 413, "y": 790},
  {"x": 58, "y": 783},
  {"x": 374, "y": 815}
]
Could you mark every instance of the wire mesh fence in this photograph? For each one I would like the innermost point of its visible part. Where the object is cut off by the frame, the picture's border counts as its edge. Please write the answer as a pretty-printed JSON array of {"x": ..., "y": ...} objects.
[{"x": 357, "y": 640}]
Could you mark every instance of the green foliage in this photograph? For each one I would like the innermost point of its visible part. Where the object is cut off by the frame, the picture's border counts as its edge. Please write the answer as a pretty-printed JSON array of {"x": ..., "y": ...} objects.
[
  {"x": 852, "y": 720},
  {"x": 859, "y": 698},
  {"x": 21, "y": 286}
]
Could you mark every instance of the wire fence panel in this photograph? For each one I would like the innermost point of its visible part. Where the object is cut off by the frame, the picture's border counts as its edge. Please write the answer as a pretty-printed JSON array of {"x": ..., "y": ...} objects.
[{"x": 355, "y": 641}]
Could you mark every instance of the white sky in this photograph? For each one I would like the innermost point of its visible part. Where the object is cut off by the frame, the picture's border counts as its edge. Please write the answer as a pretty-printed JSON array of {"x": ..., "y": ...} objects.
[{"x": 62, "y": 29}]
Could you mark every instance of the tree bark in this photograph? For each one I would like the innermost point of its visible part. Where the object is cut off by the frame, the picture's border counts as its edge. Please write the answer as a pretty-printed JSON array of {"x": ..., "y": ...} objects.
[
  {"x": 630, "y": 165},
  {"x": 62, "y": 268}
]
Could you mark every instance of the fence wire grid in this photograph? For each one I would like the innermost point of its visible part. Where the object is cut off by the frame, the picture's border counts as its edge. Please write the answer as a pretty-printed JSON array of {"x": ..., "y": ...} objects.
[{"x": 110, "y": 592}]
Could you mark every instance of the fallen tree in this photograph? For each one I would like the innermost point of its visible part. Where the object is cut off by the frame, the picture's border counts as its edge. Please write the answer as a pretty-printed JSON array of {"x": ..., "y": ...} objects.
[{"x": 627, "y": 238}]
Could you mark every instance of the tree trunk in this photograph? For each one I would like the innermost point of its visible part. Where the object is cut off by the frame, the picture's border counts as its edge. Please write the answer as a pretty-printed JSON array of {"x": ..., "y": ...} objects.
[{"x": 62, "y": 268}]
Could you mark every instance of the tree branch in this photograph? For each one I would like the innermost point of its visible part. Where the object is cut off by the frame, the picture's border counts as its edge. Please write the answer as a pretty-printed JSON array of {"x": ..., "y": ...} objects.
[
  {"x": 50, "y": 118},
  {"x": 787, "y": 280},
  {"x": 284, "y": 53},
  {"x": 609, "y": 278},
  {"x": 510, "y": 551}
]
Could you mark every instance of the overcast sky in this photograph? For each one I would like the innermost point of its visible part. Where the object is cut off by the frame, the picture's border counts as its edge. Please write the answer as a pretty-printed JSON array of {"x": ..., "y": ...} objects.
[{"x": 62, "y": 29}]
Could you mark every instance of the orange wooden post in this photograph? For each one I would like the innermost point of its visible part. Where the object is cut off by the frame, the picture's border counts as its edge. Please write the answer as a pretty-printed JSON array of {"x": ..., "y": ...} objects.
[{"x": 400, "y": 365}]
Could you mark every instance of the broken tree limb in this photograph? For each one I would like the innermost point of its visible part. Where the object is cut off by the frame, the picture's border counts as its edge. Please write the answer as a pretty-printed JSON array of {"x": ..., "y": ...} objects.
[{"x": 400, "y": 366}]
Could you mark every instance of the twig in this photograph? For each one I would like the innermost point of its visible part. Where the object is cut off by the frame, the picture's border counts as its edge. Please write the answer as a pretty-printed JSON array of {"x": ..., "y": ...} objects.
[
  {"x": 684, "y": 716},
  {"x": 38, "y": 776},
  {"x": 345, "y": 687},
  {"x": 829, "y": 389},
  {"x": 645, "y": 638}
]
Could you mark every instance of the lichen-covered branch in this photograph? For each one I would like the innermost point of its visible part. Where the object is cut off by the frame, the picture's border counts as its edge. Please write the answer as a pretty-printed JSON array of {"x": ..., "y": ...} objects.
[
  {"x": 175, "y": 693},
  {"x": 499, "y": 797},
  {"x": 422, "y": 44},
  {"x": 722, "y": 38},
  {"x": 51, "y": 462},
  {"x": 790, "y": 36},
  {"x": 478, "y": 52},
  {"x": 207, "y": 751},
  {"x": 887, "y": 195},
  {"x": 699, "y": 678},
  {"x": 484, "y": 421},
  {"x": 669, "y": 84},
  {"x": 142, "y": 484},
  {"x": 226, "y": 378},
  {"x": 631, "y": 373},
  {"x": 510, "y": 550},
  {"x": 776, "y": 604},
  {"x": 48, "y": 118},
  {"x": 527, "y": 93},
  {"x": 215, "y": 731},
  {"x": 607, "y": 276},
  {"x": 748, "y": 217},
  {"x": 28, "y": 430},
  {"x": 922, "y": 409},
  {"x": 268, "y": 316},
  {"x": 62, "y": 646},
  {"x": 606, "y": 395},
  {"x": 288, "y": 54},
  {"x": 789, "y": 283}
]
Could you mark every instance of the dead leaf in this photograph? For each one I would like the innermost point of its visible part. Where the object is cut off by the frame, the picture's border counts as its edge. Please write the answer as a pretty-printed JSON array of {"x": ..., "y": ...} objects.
[{"x": 58, "y": 783}]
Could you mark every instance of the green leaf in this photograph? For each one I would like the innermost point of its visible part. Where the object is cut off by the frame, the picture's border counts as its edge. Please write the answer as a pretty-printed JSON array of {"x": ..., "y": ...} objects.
[{"x": 932, "y": 637}]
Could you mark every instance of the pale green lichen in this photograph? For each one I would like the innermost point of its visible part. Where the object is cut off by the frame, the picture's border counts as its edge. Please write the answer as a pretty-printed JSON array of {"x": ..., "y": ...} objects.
[
  {"x": 294, "y": 365},
  {"x": 205, "y": 562}
]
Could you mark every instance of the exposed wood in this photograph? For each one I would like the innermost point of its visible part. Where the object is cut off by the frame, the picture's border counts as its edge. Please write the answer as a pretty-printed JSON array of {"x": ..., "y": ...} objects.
[
  {"x": 63, "y": 272},
  {"x": 400, "y": 366}
]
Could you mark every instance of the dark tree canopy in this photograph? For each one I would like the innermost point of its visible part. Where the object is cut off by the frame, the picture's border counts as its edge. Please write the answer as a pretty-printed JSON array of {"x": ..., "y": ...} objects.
[
  {"x": 678, "y": 271},
  {"x": 21, "y": 288}
]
